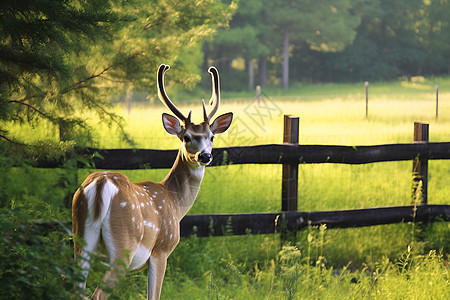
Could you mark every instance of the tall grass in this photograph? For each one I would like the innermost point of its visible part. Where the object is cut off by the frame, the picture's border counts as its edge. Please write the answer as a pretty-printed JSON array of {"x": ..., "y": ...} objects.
[
  {"x": 223, "y": 268},
  {"x": 380, "y": 262}
]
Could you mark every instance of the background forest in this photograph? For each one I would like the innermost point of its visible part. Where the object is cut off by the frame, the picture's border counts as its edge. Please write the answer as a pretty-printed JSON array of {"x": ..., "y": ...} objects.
[{"x": 344, "y": 40}]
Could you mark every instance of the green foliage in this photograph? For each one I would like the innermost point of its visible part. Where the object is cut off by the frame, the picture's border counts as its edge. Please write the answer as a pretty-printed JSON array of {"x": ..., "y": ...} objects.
[
  {"x": 290, "y": 258},
  {"x": 42, "y": 42},
  {"x": 334, "y": 41},
  {"x": 244, "y": 37},
  {"x": 35, "y": 264},
  {"x": 257, "y": 31},
  {"x": 61, "y": 57},
  {"x": 267, "y": 269},
  {"x": 44, "y": 193}
]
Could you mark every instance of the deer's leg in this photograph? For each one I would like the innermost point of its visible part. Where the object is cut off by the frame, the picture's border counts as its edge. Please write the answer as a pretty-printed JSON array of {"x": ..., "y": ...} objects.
[
  {"x": 120, "y": 253},
  {"x": 112, "y": 276},
  {"x": 91, "y": 238},
  {"x": 156, "y": 270}
]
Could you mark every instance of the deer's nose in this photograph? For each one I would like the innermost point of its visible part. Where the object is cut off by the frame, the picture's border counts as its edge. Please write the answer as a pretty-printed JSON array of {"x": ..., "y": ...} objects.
[{"x": 205, "y": 157}]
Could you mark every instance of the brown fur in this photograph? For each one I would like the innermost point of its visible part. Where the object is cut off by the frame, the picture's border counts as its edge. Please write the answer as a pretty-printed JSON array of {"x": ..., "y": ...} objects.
[
  {"x": 98, "y": 197},
  {"x": 79, "y": 215}
]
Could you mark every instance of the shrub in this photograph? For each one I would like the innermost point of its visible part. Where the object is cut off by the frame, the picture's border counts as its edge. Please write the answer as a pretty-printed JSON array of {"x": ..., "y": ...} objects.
[{"x": 35, "y": 264}]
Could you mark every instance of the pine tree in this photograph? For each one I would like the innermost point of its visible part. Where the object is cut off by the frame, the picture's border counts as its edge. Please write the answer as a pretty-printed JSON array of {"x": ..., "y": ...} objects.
[{"x": 60, "y": 56}]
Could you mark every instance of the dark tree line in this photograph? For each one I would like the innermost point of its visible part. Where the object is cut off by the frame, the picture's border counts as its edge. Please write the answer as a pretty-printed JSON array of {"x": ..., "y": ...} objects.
[{"x": 343, "y": 40}]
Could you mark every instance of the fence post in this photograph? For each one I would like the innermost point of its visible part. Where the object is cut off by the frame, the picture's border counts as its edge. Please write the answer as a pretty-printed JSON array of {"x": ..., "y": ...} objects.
[
  {"x": 258, "y": 93},
  {"x": 289, "y": 189},
  {"x": 366, "y": 85},
  {"x": 420, "y": 166},
  {"x": 437, "y": 101}
]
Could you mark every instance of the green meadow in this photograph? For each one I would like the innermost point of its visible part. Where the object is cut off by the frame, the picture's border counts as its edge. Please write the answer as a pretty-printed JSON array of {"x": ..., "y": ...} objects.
[{"x": 399, "y": 261}]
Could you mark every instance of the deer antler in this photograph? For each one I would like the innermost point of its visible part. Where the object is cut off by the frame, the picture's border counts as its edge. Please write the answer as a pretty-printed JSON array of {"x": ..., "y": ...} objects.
[
  {"x": 163, "y": 96},
  {"x": 214, "y": 101},
  {"x": 215, "y": 98}
]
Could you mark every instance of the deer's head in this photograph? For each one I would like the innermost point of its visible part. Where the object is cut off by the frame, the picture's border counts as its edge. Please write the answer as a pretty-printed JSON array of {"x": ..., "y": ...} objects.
[{"x": 196, "y": 139}]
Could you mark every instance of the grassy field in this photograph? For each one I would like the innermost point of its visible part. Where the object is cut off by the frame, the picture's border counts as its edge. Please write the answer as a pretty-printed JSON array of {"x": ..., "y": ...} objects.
[
  {"x": 325, "y": 119},
  {"x": 400, "y": 261}
]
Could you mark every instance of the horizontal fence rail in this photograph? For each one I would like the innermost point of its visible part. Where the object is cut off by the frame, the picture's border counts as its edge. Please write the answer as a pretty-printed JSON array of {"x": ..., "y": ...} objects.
[
  {"x": 266, "y": 223},
  {"x": 127, "y": 159},
  {"x": 262, "y": 223}
]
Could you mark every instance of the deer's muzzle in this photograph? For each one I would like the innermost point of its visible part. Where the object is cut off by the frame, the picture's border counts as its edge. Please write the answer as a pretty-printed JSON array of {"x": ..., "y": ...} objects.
[{"x": 204, "y": 158}]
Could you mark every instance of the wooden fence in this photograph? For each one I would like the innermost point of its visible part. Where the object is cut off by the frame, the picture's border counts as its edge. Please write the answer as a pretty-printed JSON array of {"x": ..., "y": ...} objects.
[{"x": 290, "y": 155}]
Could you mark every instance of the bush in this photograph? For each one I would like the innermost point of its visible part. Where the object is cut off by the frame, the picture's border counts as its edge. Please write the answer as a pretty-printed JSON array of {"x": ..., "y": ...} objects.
[{"x": 35, "y": 264}]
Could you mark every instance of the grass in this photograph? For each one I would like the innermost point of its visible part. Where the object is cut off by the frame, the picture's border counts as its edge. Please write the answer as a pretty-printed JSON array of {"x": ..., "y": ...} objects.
[
  {"x": 223, "y": 268},
  {"x": 398, "y": 261}
]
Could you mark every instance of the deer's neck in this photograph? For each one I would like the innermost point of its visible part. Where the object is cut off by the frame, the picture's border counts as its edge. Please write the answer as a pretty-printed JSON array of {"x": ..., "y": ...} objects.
[{"x": 183, "y": 182}]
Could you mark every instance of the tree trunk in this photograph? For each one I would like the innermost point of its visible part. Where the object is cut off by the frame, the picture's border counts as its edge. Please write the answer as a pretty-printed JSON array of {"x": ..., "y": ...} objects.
[
  {"x": 262, "y": 70},
  {"x": 251, "y": 72},
  {"x": 285, "y": 77}
]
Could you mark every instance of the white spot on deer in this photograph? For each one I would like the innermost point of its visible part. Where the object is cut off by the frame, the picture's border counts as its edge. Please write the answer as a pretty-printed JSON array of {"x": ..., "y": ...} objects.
[
  {"x": 132, "y": 206},
  {"x": 160, "y": 207},
  {"x": 156, "y": 212},
  {"x": 142, "y": 204},
  {"x": 164, "y": 201},
  {"x": 123, "y": 204},
  {"x": 132, "y": 219},
  {"x": 170, "y": 222},
  {"x": 171, "y": 236}
]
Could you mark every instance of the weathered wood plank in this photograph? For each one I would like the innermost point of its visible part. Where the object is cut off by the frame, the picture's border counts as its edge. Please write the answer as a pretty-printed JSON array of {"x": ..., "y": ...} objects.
[
  {"x": 289, "y": 181},
  {"x": 285, "y": 154},
  {"x": 125, "y": 159},
  {"x": 420, "y": 166},
  {"x": 263, "y": 223}
]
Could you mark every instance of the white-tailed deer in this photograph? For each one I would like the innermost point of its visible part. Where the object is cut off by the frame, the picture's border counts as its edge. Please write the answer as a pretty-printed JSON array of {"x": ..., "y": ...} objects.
[{"x": 139, "y": 222}]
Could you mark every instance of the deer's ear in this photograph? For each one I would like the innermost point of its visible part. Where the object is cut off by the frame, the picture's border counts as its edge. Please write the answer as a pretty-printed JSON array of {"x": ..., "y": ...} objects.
[
  {"x": 171, "y": 124},
  {"x": 221, "y": 123}
]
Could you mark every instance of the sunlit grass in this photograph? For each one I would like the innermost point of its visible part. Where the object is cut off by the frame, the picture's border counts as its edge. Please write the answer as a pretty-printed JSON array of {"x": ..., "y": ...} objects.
[
  {"x": 226, "y": 269},
  {"x": 357, "y": 262},
  {"x": 339, "y": 121}
]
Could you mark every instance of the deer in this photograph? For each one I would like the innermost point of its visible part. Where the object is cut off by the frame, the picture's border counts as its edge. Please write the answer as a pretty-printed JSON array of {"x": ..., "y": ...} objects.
[{"x": 139, "y": 223}]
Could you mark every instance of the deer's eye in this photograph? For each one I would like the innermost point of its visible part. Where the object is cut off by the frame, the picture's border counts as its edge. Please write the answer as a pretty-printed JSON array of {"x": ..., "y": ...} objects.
[{"x": 186, "y": 139}]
